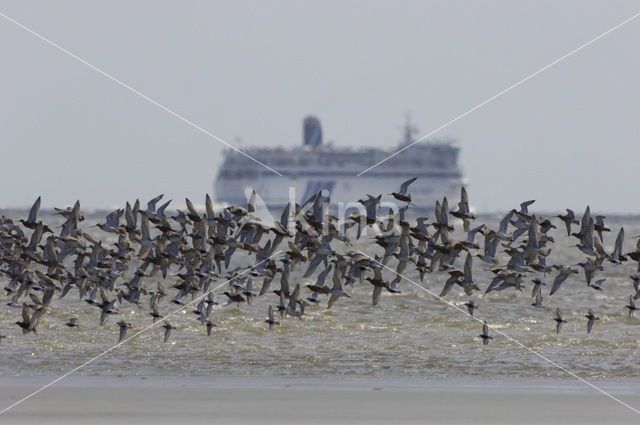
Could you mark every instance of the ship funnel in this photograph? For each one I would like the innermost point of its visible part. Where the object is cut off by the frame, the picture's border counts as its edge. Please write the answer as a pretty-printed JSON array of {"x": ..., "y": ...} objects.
[{"x": 312, "y": 132}]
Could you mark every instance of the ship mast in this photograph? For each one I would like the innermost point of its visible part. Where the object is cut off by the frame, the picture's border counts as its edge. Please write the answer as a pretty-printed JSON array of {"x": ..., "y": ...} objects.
[{"x": 408, "y": 129}]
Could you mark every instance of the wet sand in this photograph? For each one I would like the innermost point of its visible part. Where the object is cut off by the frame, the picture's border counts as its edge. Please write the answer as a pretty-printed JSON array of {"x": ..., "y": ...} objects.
[{"x": 81, "y": 400}]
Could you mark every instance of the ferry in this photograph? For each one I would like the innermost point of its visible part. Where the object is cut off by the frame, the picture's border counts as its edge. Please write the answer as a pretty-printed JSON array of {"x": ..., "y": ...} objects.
[{"x": 314, "y": 167}]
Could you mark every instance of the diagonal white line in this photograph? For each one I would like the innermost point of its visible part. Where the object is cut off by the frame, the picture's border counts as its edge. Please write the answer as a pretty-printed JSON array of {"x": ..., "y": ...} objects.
[
  {"x": 480, "y": 105},
  {"x": 142, "y": 95},
  {"x": 133, "y": 336},
  {"x": 543, "y": 357}
]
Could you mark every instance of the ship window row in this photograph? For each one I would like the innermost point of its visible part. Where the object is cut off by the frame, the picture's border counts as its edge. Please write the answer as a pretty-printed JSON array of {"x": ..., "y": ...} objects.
[
  {"x": 239, "y": 173},
  {"x": 435, "y": 159}
]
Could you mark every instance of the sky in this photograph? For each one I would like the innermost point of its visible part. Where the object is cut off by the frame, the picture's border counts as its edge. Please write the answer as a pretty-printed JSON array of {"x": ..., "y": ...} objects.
[{"x": 249, "y": 71}]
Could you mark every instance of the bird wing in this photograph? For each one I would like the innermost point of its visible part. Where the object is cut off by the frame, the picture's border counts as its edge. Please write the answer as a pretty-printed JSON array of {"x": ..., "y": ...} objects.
[
  {"x": 251, "y": 199},
  {"x": 35, "y": 318},
  {"x": 467, "y": 268},
  {"x": 266, "y": 283},
  {"x": 557, "y": 282},
  {"x": 123, "y": 332},
  {"x": 539, "y": 298},
  {"x": 464, "y": 201},
  {"x": 144, "y": 228},
  {"x": 438, "y": 212},
  {"x": 284, "y": 218},
  {"x": 504, "y": 223},
  {"x": 313, "y": 265},
  {"x": 151, "y": 205},
  {"x": 48, "y": 295},
  {"x": 294, "y": 297},
  {"x": 209, "y": 207},
  {"x": 191, "y": 208},
  {"x": 377, "y": 273},
  {"x": 471, "y": 234},
  {"x": 332, "y": 300},
  {"x": 33, "y": 212},
  {"x": 377, "y": 291},
  {"x": 617, "y": 252},
  {"x": 258, "y": 207},
  {"x": 103, "y": 317},
  {"x": 405, "y": 186},
  {"x": 337, "y": 279},
  {"x": 444, "y": 213},
  {"x": 448, "y": 285},
  {"x": 524, "y": 206},
  {"x": 160, "y": 211},
  {"x": 129, "y": 217},
  {"x": 26, "y": 313},
  {"x": 35, "y": 299}
]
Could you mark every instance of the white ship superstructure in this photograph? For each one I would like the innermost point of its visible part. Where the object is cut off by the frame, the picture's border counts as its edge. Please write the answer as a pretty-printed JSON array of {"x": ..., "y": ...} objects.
[{"x": 315, "y": 167}]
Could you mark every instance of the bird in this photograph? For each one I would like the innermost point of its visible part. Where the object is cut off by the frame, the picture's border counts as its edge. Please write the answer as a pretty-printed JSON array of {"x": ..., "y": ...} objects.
[
  {"x": 559, "y": 320},
  {"x": 485, "y": 334},
  {"x": 30, "y": 318},
  {"x": 569, "y": 218},
  {"x": 631, "y": 306},
  {"x": 600, "y": 227},
  {"x": 471, "y": 306},
  {"x": 564, "y": 272},
  {"x": 31, "y": 221},
  {"x": 464, "y": 212},
  {"x": 123, "y": 329},
  {"x": 537, "y": 287},
  {"x": 282, "y": 306},
  {"x": 378, "y": 284},
  {"x": 591, "y": 317},
  {"x": 209, "y": 325},
  {"x": 14, "y": 302},
  {"x": 403, "y": 195},
  {"x": 154, "y": 308},
  {"x": 616, "y": 256},
  {"x": 336, "y": 291},
  {"x": 248, "y": 292},
  {"x": 72, "y": 323},
  {"x": 270, "y": 319},
  {"x": 234, "y": 298},
  {"x": 167, "y": 330},
  {"x": 491, "y": 242},
  {"x": 292, "y": 308},
  {"x": 597, "y": 285},
  {"x": 538, "y": 300},
  {"x": 210, "y": 302}
]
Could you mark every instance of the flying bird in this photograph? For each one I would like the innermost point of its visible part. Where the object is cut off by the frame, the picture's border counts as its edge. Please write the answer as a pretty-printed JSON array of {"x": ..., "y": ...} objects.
[
  {"x": 485, "y": 334},
  {"x": 559, "y": 320},
  {"x": 591, "y": 317}
]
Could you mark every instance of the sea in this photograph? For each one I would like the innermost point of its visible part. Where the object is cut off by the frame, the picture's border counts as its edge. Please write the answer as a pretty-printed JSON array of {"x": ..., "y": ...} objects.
[{"x": 409, "y": 335}]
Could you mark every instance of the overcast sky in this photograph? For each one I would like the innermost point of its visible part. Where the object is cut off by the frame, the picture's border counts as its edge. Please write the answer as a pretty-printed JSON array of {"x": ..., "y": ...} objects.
[{"x": 250, "y": 71}]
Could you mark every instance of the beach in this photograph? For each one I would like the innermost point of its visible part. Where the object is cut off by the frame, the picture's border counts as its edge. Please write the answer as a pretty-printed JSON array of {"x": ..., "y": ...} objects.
[{"x": 164, "y": 400}]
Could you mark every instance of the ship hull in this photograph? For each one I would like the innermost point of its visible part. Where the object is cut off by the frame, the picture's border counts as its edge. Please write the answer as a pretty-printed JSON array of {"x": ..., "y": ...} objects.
[{"x": 343, "y": 188}]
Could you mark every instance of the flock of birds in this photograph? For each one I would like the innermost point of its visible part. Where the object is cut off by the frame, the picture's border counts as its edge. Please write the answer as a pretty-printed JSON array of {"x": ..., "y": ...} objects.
[{"x": 195, "y": 250}]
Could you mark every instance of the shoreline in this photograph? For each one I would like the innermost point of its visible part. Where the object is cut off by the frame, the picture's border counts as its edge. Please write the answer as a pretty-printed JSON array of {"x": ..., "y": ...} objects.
[
  {"x": 169, "y": 400},
  {"x": 621, "y": 386}
]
